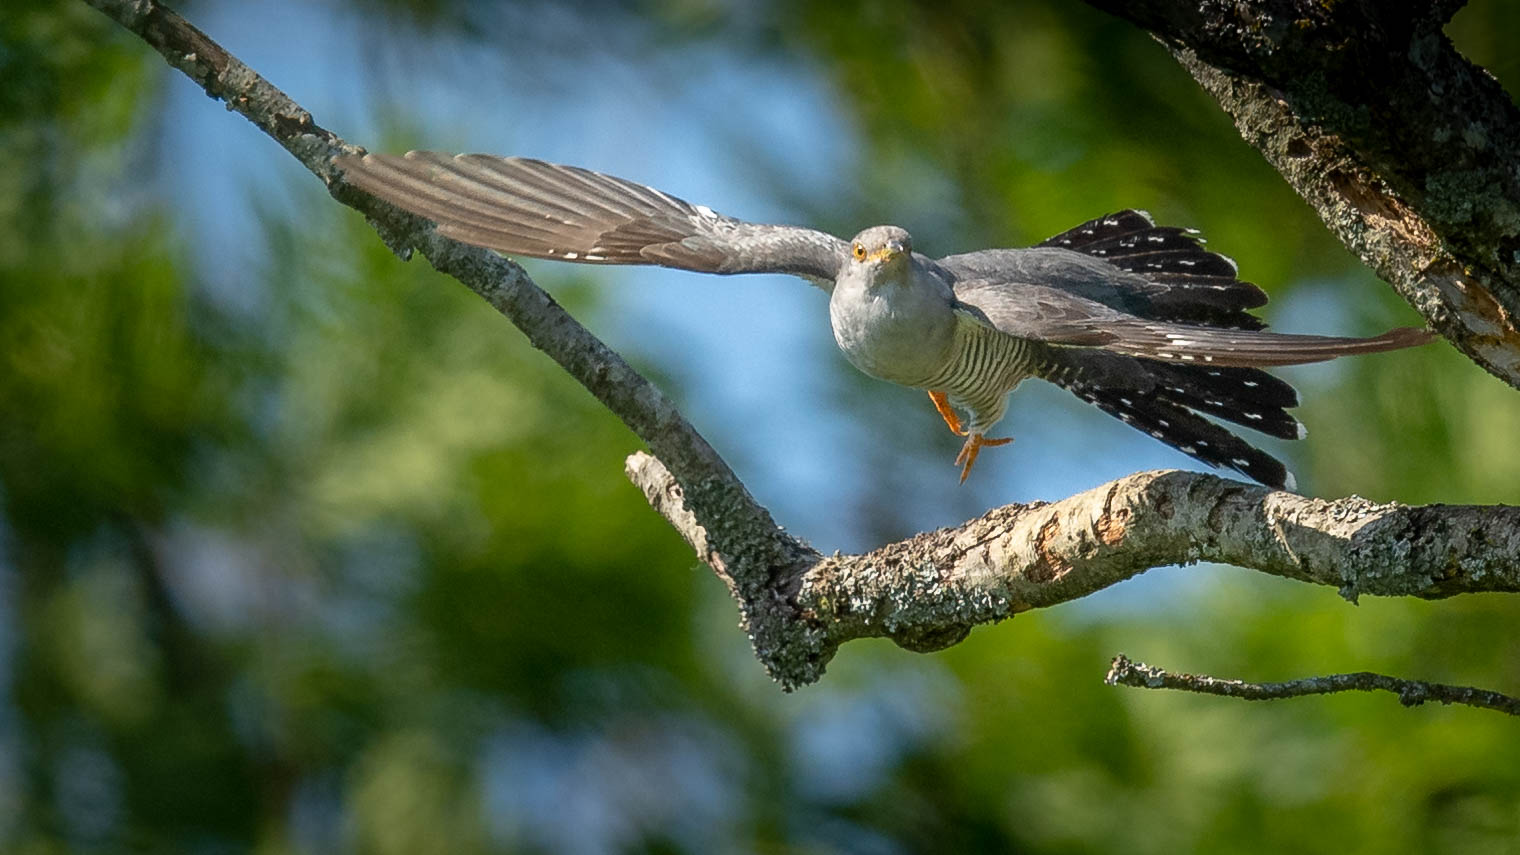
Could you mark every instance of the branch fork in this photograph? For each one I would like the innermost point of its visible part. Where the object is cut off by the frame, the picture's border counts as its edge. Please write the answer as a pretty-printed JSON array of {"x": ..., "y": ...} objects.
[{"x": 927, "y": 592}]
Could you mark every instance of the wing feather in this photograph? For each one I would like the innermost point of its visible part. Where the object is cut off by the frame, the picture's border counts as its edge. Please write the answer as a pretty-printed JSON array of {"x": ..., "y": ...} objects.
[{"x": 521, "y": 206}]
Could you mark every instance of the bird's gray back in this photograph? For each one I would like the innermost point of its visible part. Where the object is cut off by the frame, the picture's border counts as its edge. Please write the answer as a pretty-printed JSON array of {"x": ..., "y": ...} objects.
[
  {"x": 1156, "y": 273},
  {"x": 1063, "y": 269}
]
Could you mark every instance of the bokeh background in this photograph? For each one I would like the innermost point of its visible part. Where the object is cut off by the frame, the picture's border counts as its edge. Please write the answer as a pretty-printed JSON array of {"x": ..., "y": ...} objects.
[{"x": 304, "y": 550}]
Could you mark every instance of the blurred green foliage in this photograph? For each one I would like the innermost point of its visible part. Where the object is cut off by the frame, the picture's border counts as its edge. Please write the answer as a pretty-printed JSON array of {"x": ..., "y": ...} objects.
[{"x": 354, "y": 569}]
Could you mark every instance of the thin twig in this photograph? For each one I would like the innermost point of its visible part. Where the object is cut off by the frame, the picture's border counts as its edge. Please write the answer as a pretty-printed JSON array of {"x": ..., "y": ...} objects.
[{"x": 1412, "y": 693}]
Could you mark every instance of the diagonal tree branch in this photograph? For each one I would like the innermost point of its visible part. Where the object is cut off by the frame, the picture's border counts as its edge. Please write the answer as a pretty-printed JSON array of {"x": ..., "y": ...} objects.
[
  {"x": 1125, "y": 672},
  {"x": 1408, "y": 152},
  {"x": 712, "y": 490},
  {"x": 927, "y": 592}
]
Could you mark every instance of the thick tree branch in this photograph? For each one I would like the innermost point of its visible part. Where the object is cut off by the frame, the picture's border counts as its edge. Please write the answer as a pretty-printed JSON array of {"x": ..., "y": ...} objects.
[
  {"x": 1124, "y": 672},
  {"x": 927, "y": 592},
  {"x": 1408, "y": 152}
]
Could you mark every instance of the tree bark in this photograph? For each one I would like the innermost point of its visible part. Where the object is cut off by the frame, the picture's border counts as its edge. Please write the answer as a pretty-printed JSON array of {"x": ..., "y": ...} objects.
[{"x": 1407, "y": 151}]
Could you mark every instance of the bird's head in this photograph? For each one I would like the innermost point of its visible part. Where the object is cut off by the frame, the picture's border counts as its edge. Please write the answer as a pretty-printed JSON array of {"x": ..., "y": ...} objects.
[{"x": 881, "y": 251}]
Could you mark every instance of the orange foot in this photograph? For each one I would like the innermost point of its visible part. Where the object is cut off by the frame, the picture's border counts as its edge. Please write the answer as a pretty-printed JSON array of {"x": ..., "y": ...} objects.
[
  {"x": 942, "y": 403},
  {"x": 975, "y": 442}
]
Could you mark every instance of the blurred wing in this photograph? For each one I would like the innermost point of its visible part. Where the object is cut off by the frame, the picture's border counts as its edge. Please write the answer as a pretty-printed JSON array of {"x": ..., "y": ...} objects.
[
  {"x": 521, "y": 206},
  {"x": 1050, "y": 315}
]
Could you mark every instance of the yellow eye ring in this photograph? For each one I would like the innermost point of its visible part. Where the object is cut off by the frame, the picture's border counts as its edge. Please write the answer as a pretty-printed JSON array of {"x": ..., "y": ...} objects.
[{"x": 859, "y": 252}]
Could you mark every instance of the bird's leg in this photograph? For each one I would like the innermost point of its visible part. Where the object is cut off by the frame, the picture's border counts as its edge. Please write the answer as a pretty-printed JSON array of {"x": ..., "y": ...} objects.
[
  {"x": 975, "y": 442},
  {"x": 942, "y": 403}
]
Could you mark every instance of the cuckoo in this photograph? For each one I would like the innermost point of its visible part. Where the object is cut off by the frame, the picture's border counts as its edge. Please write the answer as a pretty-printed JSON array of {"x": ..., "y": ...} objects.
[{"x": 1138, "y": 319}]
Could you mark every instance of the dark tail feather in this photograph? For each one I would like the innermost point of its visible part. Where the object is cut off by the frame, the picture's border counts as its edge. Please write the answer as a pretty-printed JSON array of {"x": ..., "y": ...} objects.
[
  {"x": 1194, "y": 436},
  {"x": 1245, "y": 396},
  {"x": 1217, "y": 301},
  {"x": 1159, "y": 399},
  {"x": 1189, "y": 284}
]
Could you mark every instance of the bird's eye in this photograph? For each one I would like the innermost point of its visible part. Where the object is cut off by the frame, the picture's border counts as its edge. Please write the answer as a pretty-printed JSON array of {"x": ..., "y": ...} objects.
[{"x": 860, "y": 252}]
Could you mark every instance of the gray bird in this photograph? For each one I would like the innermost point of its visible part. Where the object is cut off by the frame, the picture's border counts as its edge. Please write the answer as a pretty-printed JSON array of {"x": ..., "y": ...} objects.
[{"x": 1135, "y": 318}]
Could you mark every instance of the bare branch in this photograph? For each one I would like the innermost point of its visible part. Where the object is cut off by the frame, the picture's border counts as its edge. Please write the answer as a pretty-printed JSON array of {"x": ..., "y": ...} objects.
[
  {"x": 1408, "y": 152},
  {"x": 502, "y": 283},
  {"x": 743, "y": 529},
  {"x": 1124, "y": 672}
]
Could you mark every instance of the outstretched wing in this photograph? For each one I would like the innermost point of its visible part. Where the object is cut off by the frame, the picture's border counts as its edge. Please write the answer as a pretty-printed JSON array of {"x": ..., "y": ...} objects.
[
  {"x": 1127, "y": 262},
  {"x": 522, "y": 206},
  {"x": 1054, "y": 316}
]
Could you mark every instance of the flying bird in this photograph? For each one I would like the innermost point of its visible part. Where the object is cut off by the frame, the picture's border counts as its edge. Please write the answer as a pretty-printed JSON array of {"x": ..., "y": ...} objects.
[{"x": 1138, "y": 319}]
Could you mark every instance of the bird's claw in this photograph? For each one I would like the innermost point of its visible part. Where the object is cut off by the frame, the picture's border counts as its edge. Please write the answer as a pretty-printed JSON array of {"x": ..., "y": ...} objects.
[{"x": 975, "y": 442}]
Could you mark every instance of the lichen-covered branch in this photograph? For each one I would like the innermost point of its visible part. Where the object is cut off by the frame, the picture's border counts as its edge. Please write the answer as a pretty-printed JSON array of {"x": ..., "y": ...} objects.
[
  {"x": 1408, "y": 152},
  {"x": 926, "y": 592},
  {"x": 1125, "y": 672}
]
